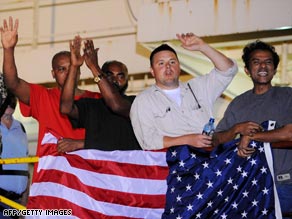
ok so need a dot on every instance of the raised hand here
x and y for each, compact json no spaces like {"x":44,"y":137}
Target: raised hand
{"x":190,"y":41}
{"x":75,"y":47}
{"x":9,"y":33}
{"x":90,"y":55}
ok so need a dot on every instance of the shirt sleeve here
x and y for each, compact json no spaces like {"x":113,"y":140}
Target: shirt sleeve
{"x":210,"y":86}
{"x":227,"y":121}
{"x":36,"y":95}
{"x":143,"y":124}
{"x":82,"y":110}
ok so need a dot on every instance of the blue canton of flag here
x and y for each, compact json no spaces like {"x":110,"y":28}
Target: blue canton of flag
{"x":219,"y":184}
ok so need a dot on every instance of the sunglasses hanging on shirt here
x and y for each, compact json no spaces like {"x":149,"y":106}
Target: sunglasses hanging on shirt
{"x":199,"y":106}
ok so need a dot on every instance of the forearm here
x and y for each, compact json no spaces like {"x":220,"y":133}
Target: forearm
{"x":113,"y":99}
{"x":16,"y":85}
{"x":67,"y":94}
{"x":9,"y":69}
{"x":224,"y":136}
{"x":173,"y":141}
{"x":277,"y":135}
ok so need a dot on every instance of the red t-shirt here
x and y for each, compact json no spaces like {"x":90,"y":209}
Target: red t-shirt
{"x":45,"y":108}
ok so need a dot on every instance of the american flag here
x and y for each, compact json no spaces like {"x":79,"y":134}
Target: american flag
{"x":101,"y":184}
{"x":220,"y":184}
{"x":132,"y":184}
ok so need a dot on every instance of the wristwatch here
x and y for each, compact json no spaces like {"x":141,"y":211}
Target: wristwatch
{"x":97,"y":78}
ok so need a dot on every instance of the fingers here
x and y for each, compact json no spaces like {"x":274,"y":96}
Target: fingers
{"x":189,"y":35}
{"x":245,"y":151}
{"x":185,"y":37}
{"x":8,"y":26}
{"x":204,"y":141}
{"x":16,"y":24}
{"x":10,"y":23}
{"x":77,"y":42}
{"x":89,"y":47}
{"x":5,"y":26}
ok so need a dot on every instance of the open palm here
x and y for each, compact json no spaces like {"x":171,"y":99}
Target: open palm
{"x":9,"y":33}
{"x":75,"y":46}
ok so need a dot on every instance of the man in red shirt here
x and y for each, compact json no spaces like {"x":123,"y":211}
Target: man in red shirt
{"x":40,"y":102}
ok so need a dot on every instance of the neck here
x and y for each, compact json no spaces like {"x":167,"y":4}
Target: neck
{"x":262,"y":88}
{"x":6,"y":120}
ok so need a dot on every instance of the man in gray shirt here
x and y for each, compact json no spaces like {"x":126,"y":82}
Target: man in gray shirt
{"x":263,"y":102}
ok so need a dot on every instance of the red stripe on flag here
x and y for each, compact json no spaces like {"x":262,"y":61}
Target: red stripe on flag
{"x":99,"y":194}
{"x":118,"y":168}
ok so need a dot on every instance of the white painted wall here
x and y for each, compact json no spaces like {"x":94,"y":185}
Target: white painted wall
{"x":161,"y":20}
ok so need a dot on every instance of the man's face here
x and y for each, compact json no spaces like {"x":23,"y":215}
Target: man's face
{"x":61,"y":69}
{"x":165,"y":69}
{"x":261,"y":67}
{"x":118,"y":76}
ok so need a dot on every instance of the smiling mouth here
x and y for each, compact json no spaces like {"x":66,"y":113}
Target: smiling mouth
{"x":263,"y":73}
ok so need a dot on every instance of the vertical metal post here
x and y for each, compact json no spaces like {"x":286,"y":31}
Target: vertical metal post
{"x":284,"y":61}
{"x":35,"y":23}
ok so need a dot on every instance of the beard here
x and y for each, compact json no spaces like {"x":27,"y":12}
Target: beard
{"x":121,"y":89}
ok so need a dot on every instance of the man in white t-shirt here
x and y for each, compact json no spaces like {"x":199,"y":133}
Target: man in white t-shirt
{"x":172,"y":113}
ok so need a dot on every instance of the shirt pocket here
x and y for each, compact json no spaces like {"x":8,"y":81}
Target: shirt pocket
{"x":164,"y":120}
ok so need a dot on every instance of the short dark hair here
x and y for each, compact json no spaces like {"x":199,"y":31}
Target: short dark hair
{"x":9,"y":101}
{"x":106,"y":65}
{"x":105,"y":69}
{"x":160,"y":48}
{"x":259,"y":45}
{"x":57,"y":55}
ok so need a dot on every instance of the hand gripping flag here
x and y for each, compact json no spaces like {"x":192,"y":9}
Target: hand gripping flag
{"x":100,"y":184}
{"x":220,"y":184}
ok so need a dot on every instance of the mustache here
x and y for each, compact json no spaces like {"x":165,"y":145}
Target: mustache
{"x":121,"y":89}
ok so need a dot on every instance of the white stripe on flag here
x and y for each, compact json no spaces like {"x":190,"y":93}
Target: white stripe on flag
{"x":100,"y":180}
{"x":85,"y":201}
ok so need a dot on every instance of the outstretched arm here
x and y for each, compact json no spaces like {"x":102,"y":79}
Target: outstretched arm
{"x":110,"y":94}
{"x":67,"y":105}
{"x":9,"y":38}
{"x":281,"y":134}
{"x":194,"y":43}
{"x":244,"y":128}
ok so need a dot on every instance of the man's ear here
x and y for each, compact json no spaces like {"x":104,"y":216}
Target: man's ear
{"x":53,"y":73}
{"x":246,"y":71}
{"x":152,"y":72}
